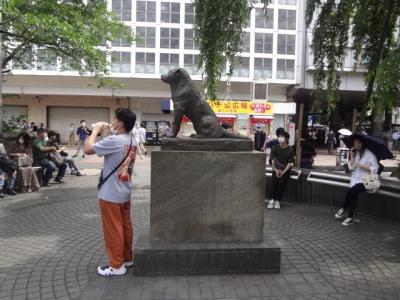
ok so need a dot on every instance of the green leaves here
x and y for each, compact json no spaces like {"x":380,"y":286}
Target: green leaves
{"x":218,"y":28}
{"x":72,"y":29}
{"x":365,"y":27}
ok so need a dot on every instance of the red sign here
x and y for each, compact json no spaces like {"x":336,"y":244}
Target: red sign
{"x":226,"y":120}
{"x":260,"y":121}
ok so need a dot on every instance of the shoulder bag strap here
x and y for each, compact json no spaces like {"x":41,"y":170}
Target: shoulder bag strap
{"x":120,"y":164}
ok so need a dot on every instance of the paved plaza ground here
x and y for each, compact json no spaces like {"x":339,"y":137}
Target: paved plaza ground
{"x":51,"y":243}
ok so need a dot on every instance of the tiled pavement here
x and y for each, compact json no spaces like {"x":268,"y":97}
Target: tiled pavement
{"x":51,"y":243}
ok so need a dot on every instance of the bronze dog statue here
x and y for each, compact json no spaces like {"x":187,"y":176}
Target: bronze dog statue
{"x":188,"y":101}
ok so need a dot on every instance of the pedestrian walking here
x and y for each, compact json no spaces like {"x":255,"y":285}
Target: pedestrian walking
{"x":135,"y":135}
{"x":282,"y":158}
{"x":142,"y":137}
{"x":115,"y":186}
{"x":259,"y":139}
{"x":71,"y":131}
{"x":331,"y":141}
{"x":362,"y":162}
{"x":396,"y":140}
{"x":83,"y":132}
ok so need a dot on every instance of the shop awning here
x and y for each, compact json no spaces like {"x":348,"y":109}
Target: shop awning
{"x":266,"y":117}
{"x":228,"y":116}
{"x":167,"y":105}
{"x":261,"y":119}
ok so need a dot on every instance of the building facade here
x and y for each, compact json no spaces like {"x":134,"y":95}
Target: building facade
{"x":266,"y":70}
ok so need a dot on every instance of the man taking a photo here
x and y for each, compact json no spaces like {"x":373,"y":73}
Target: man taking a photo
{"x":119,"y":151}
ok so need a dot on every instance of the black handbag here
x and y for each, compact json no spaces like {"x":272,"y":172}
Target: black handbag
{"x":103,"y":180}
{"x":8,"y":165}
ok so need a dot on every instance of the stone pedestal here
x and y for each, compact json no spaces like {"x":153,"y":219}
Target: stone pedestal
{"x":206,"y":215}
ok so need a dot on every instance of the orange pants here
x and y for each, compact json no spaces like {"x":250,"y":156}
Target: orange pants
{"x":118,"y":231}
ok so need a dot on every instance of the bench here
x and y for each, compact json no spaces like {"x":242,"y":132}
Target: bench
{"x":330,"y":188}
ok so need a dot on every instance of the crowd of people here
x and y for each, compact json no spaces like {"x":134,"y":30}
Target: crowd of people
{"x":33,"y":159}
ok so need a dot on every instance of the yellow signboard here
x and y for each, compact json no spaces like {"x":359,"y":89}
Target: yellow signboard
{"x":241,"y":107}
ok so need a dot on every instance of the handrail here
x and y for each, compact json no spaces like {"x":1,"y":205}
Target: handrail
{"x":323,"y":178}
{"x":294,"y":174}
{"x":329,"y":176}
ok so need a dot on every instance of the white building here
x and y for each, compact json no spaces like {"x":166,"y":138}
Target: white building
{"x":271,"y":66}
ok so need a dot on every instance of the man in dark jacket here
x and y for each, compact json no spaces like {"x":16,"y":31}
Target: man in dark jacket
{"x":259,"y":139}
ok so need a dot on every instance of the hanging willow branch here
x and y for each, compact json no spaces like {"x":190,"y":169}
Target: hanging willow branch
{"x":218,"y":28}
{"x":365,"y":27}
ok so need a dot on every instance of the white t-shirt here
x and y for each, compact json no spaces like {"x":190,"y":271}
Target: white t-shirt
{"x":368,"y":159}
{"x":142,"y":134}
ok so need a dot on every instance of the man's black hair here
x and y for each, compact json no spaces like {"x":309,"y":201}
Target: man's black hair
{"x":285,"y":135}
{"x":127,"y":117}
{"x":279,"y":131}
{"x":41,"y":130}
{"x":82,"y":121}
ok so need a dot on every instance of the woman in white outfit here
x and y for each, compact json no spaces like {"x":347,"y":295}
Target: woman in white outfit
{"x":362,"y":162}
{"x":136,"y":137}
{"x":142,"y":137}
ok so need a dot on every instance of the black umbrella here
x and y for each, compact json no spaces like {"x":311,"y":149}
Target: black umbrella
{"x":373,"y":144}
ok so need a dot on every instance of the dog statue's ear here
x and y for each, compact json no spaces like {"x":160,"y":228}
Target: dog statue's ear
{"x":177,"y":72}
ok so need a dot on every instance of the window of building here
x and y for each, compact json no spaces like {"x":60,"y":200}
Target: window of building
{"x":190,"y":64}
{"x":241,"y":67}
{"x":245,"y":42}
{"x":46,"y":60}
{"x":146,"y":37}
{"x":169,"y":38}
{"x":168,"y":61}
{"x":123,"y":9}
{"x":263,"y":42}
{"x":189,"y":13}
{"x":262,"y":68}
{"x":25,"y":61}
{"x":120,"y":62}
{"x":287,"y":19}
{"x":66,"y":63}
{"x":285,"y":69}
{"x":120,"y":43}
{"x":170,"y":12}
{"x":264,"y":20}
{"x":190,"y":42}
{"x":286,"y":44}
{"x":145,"y":63}
{"x":287,"y":2}
{"x":146,"y":11}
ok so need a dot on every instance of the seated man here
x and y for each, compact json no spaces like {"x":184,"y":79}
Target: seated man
{"x":41,"y":152}
{"x":6,"y":169}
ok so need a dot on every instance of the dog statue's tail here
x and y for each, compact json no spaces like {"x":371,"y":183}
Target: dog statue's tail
{"x":229,"y":135}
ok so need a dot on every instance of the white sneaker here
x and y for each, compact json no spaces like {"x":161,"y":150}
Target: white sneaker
{"x":128,"y":264}
{"x":277,"y":205}
{"x":348,"y":222}
{"x":340,"y":213}
{"x":271,"y":204}
{"x":108,"y":271}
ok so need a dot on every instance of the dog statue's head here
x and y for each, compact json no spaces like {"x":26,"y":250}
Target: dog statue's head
{"x":176,"y":75}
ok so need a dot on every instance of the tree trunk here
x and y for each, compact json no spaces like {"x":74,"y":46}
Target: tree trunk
{"x":367,"y":97}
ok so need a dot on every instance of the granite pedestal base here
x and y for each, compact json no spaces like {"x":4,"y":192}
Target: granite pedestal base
{"x":154,"y":258}
{"x":206,"y":215}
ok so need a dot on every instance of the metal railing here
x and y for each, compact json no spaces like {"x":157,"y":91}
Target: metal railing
{"x":344,"y":181}
{"x":294,"y":173}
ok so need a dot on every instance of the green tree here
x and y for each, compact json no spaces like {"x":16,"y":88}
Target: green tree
{"x":218,"y":29}
{"x":368,"y":29}
{"x":70,"y":29}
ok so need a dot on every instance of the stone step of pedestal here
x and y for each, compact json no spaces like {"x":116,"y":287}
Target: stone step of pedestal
{"x":158,"y":258}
